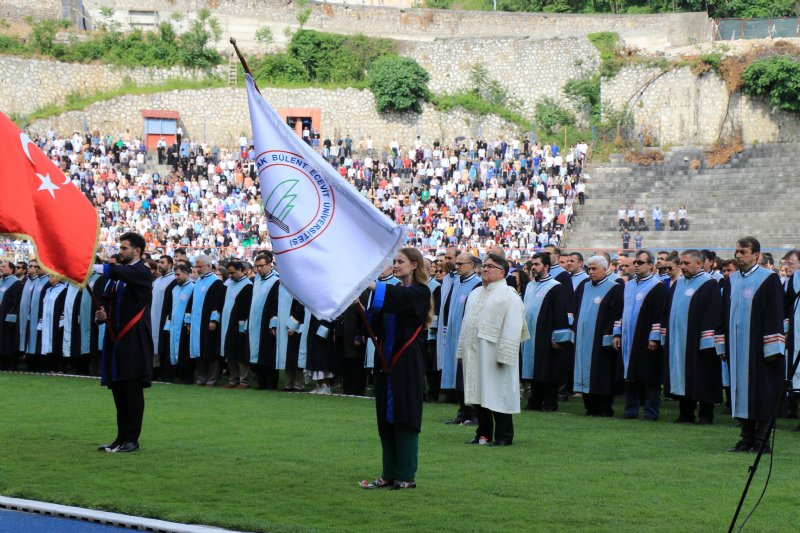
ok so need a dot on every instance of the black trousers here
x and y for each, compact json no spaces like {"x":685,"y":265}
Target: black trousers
{"x":544,"y":396}
{"x":129,"y":400}
{"x":687,"y":406}
{"x":494,"y":426}
{"x":598,"y":404}
{"x":267,"y":377}
{"x":354,"y":378}
{"x":754,"y":431}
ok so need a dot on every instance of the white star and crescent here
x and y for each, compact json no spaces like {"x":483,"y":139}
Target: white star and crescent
{"x":25,"y":140}
{"x":47,"y":184}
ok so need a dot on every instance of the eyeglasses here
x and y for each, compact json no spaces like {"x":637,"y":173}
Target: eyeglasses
{"x":489,"y":265}
{"x":639,"y":263}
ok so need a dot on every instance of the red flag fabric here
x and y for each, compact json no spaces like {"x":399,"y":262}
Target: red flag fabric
{"x":38,"y":202}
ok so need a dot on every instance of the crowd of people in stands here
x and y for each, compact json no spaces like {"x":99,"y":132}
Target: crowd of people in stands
{"x":473,"y":193}
{"x":634,"y":218}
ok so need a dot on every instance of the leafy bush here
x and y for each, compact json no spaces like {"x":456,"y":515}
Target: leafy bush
{"x":776,"y":76}
{"x":160,"y":48}
{"x":398,"y":83}
{"x":712,"y":59}
{"x":550,"y":115}
{"x":586,"y":93}
{"x":279,"y":68}
{"x":607,"y":44}
{"x":473,"y":102}
{"x":264,"y":35}
{"x":336,"y":58}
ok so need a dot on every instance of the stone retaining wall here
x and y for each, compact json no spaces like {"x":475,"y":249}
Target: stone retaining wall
{"x":679,"y":108}
{"x":219,"y":116}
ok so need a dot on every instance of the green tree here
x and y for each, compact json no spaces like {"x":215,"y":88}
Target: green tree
{"x":550,"y":115}
{"x":777,"y":77}
{"x":279,"y":68}
{"x":585,"y":92}
{"x":202,"y":32}
{"x":264,"y":35}
{"x":398,"y":83}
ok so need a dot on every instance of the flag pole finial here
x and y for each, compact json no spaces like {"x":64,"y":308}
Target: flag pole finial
{"x":243,"y":61}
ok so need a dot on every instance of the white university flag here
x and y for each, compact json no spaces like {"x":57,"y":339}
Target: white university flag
{"x":328,"y":240}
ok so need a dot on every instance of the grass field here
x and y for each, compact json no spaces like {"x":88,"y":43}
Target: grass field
{"x":271,"y":461}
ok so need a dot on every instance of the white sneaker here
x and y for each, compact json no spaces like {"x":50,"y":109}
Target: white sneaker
{"x":325,"y":390}
{"x":318,"y":390}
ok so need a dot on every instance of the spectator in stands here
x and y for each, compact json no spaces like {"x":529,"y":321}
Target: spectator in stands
{"x":683,"y":223}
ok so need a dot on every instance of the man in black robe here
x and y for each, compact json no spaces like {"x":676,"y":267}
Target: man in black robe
{"x":558,"y":273}
{"x":174,"y":340}
{"x":207,"y":301}
{"x":263,"y":308}
{"x":10,"y":295}
{"x":543,"y":355}
{"x":752,"y":324}
{"x":688,"y":324}
{"x":600,"y":302}
{"x":349,"y":342}
{"x":638,"y":338}
{"x":127,"y":360}
{"x":52,"y":325}
{"x":234,"y":346}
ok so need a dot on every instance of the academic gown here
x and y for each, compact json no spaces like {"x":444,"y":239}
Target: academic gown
{"x":441,"y":314}
{"x":71,"y":345}
{"x":233,"y":327}
{"x":369,"y":356}
{"x":207,"y":301}
{"x":129,"y":292}
{"x":161,"y":287}
{"x":451,"y":378}
{"x":24,"y":316}
{"x":792,"y":326}
{"x":558,"y":273}
{"x":10,"y":296}
{"x":34,"y":345}
{"x":690,"y":317}
{"x":640,"y":324}
{"x":86,"y":320}
{"x":176,"y":323}
{"x":296,"y":344}
{"x":262,"y":310}
{"x":51,"y":336}
{"x":546,"y":317}
{"x":98,"y":332}
{"x":161,"y":333}
{"x":396,"y":313}
{"x":577,"y":279}
{"x":753,"y":330}
{"x":600,"y":306}
{"x":320,"y":346}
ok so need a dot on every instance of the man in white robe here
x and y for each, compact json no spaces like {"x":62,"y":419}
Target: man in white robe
{"x":493,"y":328}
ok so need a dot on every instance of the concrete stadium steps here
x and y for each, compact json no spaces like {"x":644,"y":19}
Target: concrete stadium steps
{"x":755,"y":193}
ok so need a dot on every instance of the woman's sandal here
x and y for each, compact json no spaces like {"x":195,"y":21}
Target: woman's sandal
{"x":399,"y":485}
{"x":379,"y":483}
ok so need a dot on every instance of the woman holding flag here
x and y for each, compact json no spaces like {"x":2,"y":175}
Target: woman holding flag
{"x":399,"y":316}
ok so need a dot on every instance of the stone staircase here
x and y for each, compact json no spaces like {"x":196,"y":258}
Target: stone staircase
{"x":755,"y":194}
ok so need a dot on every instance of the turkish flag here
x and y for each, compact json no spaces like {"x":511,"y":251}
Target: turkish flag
{"x":38,"y":202}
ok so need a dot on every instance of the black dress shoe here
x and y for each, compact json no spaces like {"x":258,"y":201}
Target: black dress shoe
{"x":108,"y":447}
{"x":501,"y":442}
{"x":125,"y":447}
{"x":704,"y":421}
{"x":741,"y":446}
